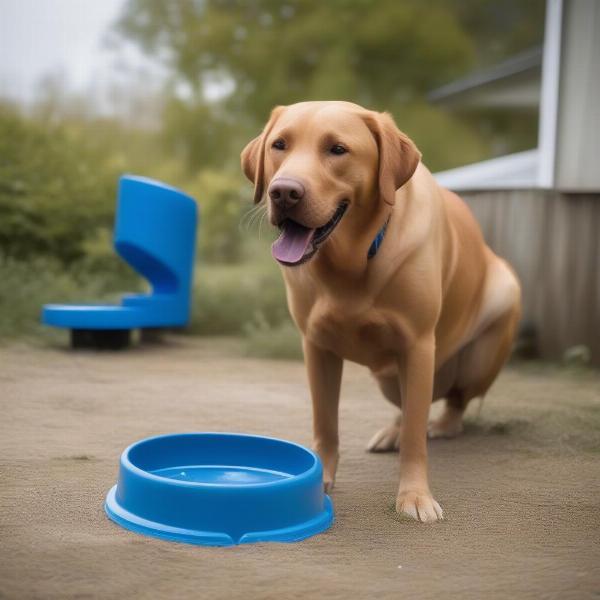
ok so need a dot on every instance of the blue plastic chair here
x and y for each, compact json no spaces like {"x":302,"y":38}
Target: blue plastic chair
{"x":155,"y":232}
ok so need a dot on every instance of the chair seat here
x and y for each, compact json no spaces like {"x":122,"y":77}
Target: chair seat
{"x":110,"y":316}
{"x":155,"y":233}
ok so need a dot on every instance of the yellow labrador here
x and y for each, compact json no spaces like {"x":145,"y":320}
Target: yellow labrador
{"x":385,"y":268}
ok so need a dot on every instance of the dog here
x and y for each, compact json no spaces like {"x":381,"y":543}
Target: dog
{"x":385,"y":268}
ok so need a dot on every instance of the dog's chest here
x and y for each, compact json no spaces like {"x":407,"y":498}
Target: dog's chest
{"x":372,"y":337}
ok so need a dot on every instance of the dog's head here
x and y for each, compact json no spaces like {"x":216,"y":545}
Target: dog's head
{"x":321,"y":161}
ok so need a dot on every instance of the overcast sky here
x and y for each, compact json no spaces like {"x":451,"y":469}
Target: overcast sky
{"x":40,"y":37}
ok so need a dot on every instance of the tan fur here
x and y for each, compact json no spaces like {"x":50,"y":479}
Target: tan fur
{"x":432,"y":315}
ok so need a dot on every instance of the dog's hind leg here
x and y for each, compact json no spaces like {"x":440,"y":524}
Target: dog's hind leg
{"x":449,"y":423}
{"x":387,"y":439}
{"x":479,"y":362}
{"x":478,"y":366}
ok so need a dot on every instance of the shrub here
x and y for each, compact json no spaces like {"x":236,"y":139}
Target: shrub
{"x":55,"y":189}
{"x":223,"y":198}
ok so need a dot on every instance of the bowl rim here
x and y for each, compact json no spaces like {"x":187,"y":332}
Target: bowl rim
{"x":314,"y":469}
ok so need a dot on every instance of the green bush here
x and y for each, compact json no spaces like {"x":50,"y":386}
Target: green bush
{"x":223,"y":198}
{"x":55,"y":189}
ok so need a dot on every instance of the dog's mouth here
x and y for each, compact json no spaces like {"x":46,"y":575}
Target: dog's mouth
{"x":296,"y":244}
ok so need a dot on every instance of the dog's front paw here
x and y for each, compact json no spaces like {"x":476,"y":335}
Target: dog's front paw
{"x":419,"y":505}
{"x":329,"y":459}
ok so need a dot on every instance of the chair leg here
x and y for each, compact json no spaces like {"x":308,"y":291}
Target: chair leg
{"x":101,"y":339}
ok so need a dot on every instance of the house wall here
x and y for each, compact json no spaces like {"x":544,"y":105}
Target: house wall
{"x":578,"y":115}
{"x":553,"y":242}
{"x":578,"y":119}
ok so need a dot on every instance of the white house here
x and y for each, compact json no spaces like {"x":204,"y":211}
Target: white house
{"x":541,"y":208}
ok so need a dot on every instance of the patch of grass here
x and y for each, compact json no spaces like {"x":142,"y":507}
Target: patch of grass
{"x":229,"y":297}
{"x":247,"y":300}
{"x":265,"y":341}
{"x":27,"y":286}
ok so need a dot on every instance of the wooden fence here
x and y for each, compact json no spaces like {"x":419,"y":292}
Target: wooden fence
{"x":553,"y":242}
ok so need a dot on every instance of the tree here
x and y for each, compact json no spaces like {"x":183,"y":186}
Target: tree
{"x":385,"y":54}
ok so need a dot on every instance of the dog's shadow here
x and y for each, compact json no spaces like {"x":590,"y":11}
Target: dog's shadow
{"x":478,"y":427}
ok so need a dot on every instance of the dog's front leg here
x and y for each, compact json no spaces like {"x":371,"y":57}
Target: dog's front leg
{"x":324,"y":377}
{"x":416,"y":384}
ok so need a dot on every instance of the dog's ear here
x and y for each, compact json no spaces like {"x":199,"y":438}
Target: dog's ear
{"x":398,"y":155}
{"x":253,"y":156}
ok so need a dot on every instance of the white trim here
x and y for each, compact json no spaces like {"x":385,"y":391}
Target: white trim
{"x":548,"y":121}
{"x":514,"y":171}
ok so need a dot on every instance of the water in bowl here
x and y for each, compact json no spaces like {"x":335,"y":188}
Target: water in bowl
{"x":221,"y":474}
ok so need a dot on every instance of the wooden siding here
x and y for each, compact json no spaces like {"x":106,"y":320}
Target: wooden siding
{"x":552,"y":241}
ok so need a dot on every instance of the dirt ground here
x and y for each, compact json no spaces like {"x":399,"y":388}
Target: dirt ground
{"x":521,"y":488}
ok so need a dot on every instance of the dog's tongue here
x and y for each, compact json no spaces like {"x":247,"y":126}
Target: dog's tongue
{"x":291,"y":245}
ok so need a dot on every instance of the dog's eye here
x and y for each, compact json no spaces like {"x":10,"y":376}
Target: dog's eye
{"x":338,"y":149}
{"x":278,"y":144}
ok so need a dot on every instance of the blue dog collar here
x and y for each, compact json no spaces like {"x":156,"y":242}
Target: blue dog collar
{"x":378,"y":240}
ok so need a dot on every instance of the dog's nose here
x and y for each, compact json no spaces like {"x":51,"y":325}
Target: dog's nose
{"x":285,"y":192}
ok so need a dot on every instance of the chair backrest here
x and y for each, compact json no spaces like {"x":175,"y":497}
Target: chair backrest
{"x":155,"y":232}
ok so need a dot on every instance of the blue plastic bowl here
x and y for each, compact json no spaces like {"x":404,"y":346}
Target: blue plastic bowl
{"x":220,"y":489}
